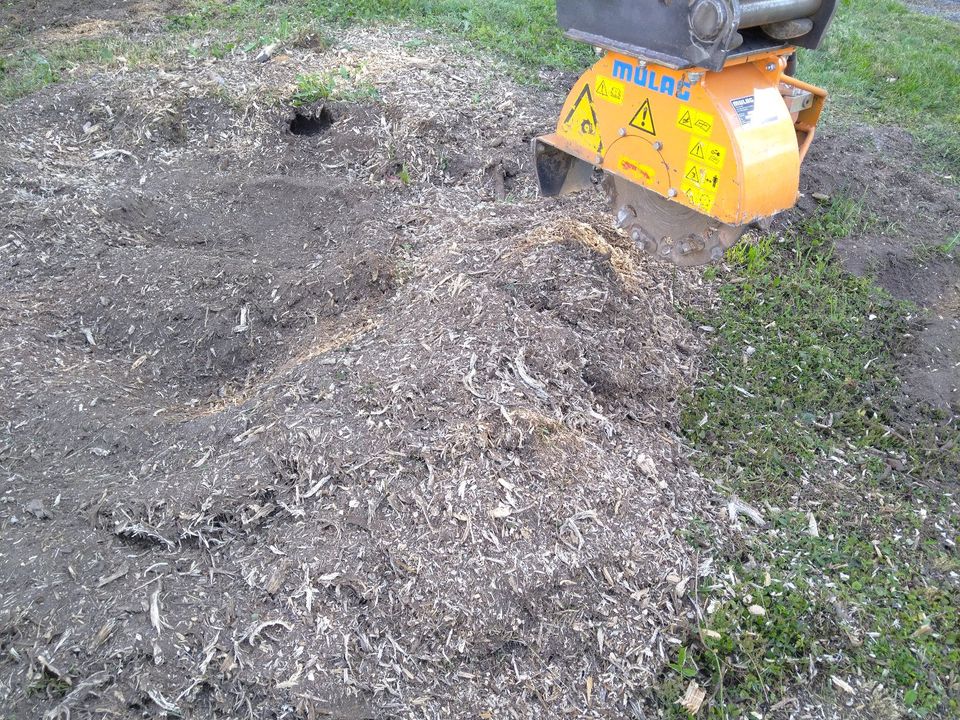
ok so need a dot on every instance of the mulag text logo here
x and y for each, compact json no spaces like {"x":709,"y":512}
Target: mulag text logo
{"x":656,"y":80}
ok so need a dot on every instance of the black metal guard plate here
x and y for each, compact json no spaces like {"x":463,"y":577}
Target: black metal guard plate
{"x":659,"y":31}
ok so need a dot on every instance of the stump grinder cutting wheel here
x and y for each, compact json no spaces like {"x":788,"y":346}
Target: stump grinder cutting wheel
{"x":689,"y":114}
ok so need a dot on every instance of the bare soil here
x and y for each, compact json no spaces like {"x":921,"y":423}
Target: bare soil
{"x":30,"y":15}
{"x":348,"y":424}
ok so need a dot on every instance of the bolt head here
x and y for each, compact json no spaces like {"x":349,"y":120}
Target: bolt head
{"x":625,"y":215}
{"x":707,"y":19}
{"x":658,"y":145}
{"x":672,"y":192}
{"x":771,"y":67}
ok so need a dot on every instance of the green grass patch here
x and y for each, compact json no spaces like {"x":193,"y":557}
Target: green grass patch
{"x":887,"y":65}
{"x":338,"y":85}
{"x":206,"y":28}
{"x":524,"y":31}
{"x":845,"y":606}
{"x":802,"y":363}
{"x":247,"y":25}
{"x":950,"y":246}
{"x":795,"y":368}
{"x":31,"y":67}
{"x":798,"y":400}
{"x":311,"y":88}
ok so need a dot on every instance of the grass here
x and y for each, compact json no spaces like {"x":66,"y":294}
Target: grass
{"x":795,"y":414}
{"x":210,"y":29}
{"x":29,"y":69}
{"x":831,"y":608}
{"x":792,"y":302}
{"x":525,"y":32}
{"x":951,"y":245}
{"x":338,"y":85}
{"x":887,"y":65}
{"x":311,"y":88}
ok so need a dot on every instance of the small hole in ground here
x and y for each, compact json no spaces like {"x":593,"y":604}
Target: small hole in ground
{"x":312,"y":124}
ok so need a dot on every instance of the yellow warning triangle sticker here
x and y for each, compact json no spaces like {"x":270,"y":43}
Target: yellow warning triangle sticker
{"x":693,"y":175}
{"x":686,"y":120}
{"x":697,"y":151}
{"x":643,"y":120}
{"x":581,"y":121}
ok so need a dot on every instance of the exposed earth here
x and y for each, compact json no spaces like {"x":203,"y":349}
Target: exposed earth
{"x":349,"y":423}
{"x":27,"y":15}
{"x":386,"y":420}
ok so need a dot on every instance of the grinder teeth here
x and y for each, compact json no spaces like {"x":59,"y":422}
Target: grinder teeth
{"x":666,"y":229}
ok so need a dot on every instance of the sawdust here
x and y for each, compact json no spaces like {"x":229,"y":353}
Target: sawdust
{"x":86,"y":30}
{"x":616,"y":249}
{"x":312,"y":440}
{"x":341,"y":340}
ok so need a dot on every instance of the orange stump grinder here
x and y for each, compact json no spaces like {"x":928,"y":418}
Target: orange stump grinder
{"x":691,"y":115}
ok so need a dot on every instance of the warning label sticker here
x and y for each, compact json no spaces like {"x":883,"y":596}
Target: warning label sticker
{"x":698,"y":197}
{"x":700,"y":184}
{"x":609,"y":89}
{"x":640,"y":173}
{"x":704,"y":178}
{"x":694,"y":121}
{"x":709,"y":153}
{"x":643,"y":120}
{"x":581,"y":122}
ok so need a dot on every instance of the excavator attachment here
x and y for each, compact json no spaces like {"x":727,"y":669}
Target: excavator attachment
{"x":695,"y":146}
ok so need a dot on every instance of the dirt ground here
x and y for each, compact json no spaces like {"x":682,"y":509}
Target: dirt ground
{"x":351,"y":424}
{"x":31,"y":15}
{"x":347,"y":424}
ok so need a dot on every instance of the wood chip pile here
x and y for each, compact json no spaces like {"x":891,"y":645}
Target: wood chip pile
{"x":350,"y":424}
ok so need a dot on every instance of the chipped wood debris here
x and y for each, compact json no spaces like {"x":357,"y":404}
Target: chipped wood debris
{"x":737,"y":507}
{"x":693,"y":698}
{"x":257,"y":629}
{"x":843,"y":685}
{"x":328,"y":440}
{"x":120,"y":572}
